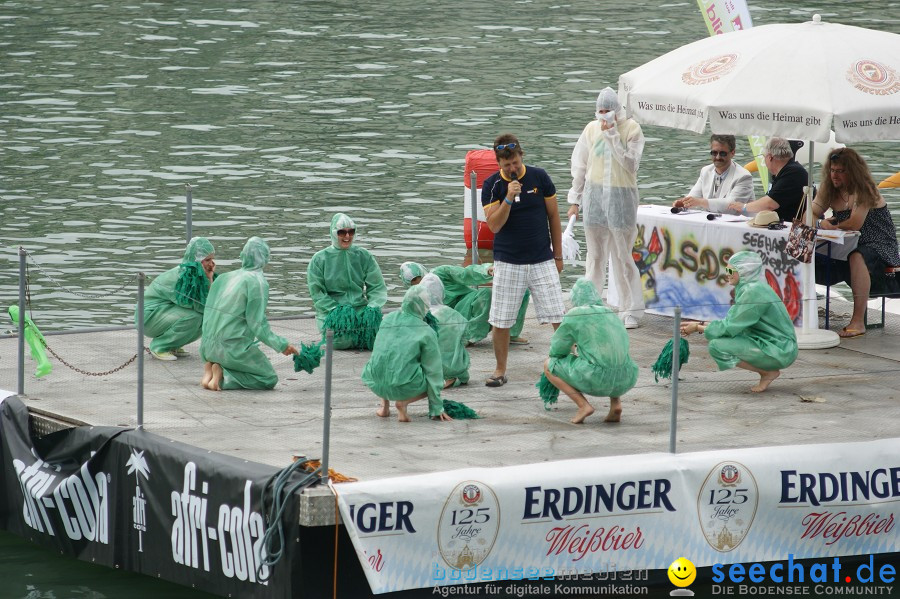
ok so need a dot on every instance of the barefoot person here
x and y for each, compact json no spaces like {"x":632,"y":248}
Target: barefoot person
{"x":234,"y":323}
{"x":406,"y":360}
{"x":602,"y":366}
{"x":757,"y":334}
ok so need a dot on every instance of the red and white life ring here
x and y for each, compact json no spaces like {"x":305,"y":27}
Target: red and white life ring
{"x":484,"y":163}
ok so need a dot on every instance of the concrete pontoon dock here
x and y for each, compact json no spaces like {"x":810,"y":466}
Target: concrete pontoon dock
{"x":847,"y":393}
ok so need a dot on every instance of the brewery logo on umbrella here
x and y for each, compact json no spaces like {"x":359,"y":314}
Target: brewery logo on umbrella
{"x":874,"y":78}
{"x":709,"y":70}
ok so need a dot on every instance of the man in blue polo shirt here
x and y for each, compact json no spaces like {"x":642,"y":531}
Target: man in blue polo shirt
{"x":520,"y":205}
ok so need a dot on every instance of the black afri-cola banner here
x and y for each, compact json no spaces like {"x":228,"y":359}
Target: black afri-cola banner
{"x":130,"y":499}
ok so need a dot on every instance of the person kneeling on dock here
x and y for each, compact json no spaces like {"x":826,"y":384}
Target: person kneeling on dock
{"x":346,"y":288}
{"x":174,"y":302}
{"x":451,"y":328}
{"x":235,"y":322}
{"x":757,"y":333}
{"x":602,"y":367}
{"x":406,"y":361}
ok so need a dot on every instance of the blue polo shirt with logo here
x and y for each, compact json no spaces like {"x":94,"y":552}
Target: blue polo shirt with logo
{"x":525,"y":238}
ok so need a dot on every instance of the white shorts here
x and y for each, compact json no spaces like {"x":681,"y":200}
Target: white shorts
{"x":510,"y":283}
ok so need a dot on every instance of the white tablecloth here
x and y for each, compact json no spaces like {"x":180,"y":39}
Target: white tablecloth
{"x":682,"y":258}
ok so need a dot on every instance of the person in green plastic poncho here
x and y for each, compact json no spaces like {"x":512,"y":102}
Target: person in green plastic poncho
{"x":235,"y":322}
{"x":174,"y":301}
{"x":757,"y":333}
{"x":346,"y":275}
{"x":473,"y":304}
{"x":602,"y":367}
{"x":406,"y":361}
{"x":451,"y":329}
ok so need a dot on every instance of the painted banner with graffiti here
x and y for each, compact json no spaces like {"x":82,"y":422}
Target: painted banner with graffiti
{"x":681,"y":258}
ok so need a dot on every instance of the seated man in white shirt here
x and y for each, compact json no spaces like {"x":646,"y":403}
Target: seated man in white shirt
{"x":720,"y":183}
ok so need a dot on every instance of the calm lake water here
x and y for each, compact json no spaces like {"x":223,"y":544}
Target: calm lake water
{"x":279,"y":114}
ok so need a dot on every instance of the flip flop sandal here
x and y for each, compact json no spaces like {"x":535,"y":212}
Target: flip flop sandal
{"x":851,"y":333}
{"x":496,"y":381}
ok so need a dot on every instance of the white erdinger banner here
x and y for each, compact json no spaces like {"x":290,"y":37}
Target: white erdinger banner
{"x":625,"y":513}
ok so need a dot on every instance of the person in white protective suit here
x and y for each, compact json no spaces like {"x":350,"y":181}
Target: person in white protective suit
{"x":604,"y":189}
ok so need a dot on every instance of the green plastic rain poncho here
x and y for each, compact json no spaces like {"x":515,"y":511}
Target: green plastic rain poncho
{"x":451,"y":332}
{"x":349,"y":277}
{"x":473,"y":304}
{"x":173,"y":303}
{"x":235,"y":322}
{"x":602,"y":367}
{"x":757,"y":328}
{"x":406,"y":359}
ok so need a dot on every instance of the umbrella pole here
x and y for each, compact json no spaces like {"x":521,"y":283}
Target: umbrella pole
{"x":810,"y":336}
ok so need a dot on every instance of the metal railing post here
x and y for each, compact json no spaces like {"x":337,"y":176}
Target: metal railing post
{"x":676,"y":367}
{"x":20,"y":388}
{"x":140,"y":351}
{"x":472,"y":184}
{"x":189,"y":212}
{"x":326,"y":434}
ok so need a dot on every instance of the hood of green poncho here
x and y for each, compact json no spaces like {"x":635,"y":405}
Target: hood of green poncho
{"x":340,"y":221}
{"x":411,"y":270}
{"x":197,"y":250}
{"x":415,"y":302}
{"x":435,"y":290}
{"x":749,"y":266}
{"x":584,"y":293}
{"x":255,"y":254}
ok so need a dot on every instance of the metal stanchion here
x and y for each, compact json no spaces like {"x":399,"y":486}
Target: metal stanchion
{"x":326,"y":434}
{"x":676,"y":366}
{"x":189,"y":212}
{"x":20,"y":388}
{"x":140,"y":350}
{"x":472,"y":184}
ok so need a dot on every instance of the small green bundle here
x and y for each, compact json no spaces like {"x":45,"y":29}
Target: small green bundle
{"x":343,"y":321}
{"x":431,"y":321}
{"x":459,"y":411}
{"x":663,"y":365}
{"x":548,"y":391}
{"x":369,"y":323}
{"x":309,"y":358}
{"x":192,"y":286}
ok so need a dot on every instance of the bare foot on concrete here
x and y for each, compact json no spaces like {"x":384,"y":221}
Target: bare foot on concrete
{"x":615,"y":410}
{"x":449,"y":383}
{"x":215,"y":383}
{"x":765,"y":379}
{"x":582,"y":413}
{"x":385,"y":410}
{"x":207,"y":375}
{"x":402,"y":416}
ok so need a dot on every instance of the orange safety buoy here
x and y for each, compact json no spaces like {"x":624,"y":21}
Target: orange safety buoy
{"x":484,"y":163}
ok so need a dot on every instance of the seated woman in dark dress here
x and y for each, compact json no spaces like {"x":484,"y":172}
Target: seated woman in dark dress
{"x":848,"y":189}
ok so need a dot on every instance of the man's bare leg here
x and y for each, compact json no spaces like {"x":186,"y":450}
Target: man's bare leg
{"x":385,"y":410}
{"x":585,"y":408}
{"x":615,"y":410}
{"x":500,"y":339}
{"x":765,"y":376}
{"x":449,"y":383}
{"x":402,"y":416}
{"x":207,"y":375}
{"x":215,"y":383}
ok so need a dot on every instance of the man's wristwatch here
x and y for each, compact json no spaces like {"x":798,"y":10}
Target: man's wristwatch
{"x":557,"y":257}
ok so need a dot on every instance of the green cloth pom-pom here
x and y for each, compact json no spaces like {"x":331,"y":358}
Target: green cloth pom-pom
{"x":368,"y":328}
{"x":662,"y":368}
{"x":548,"y":392}
{"x":343,"y":321}
{"x":459,"y":411}
{"x":309,"y":358}
{"x":192,"y":286}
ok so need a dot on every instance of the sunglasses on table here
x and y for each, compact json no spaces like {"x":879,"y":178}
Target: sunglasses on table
{"x":345,"y":232}
{"x":719,"y":154}
{"x":776,"y":226}
{"x":509,"y":146}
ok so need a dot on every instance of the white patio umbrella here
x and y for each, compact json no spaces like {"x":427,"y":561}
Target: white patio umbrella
{"x":788,"y":80}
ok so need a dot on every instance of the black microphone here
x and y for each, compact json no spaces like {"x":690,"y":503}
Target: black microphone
{"x":712,"y":216}
{"x":677,"y":209}
{"x":511,"y":179}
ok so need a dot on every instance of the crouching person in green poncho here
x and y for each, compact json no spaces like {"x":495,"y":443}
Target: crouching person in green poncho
{"x":602,"y":367}
{"x":473,"y":304}
{"x":234,"y":323}
{"x":451,"y":329}
{"x":406,"y":361}
{"x":346,"y":288}
{"x":174,"y":301}
{"x":757,"y":333}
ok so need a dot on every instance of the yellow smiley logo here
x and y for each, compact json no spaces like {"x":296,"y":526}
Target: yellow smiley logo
{"x":682,"y":572}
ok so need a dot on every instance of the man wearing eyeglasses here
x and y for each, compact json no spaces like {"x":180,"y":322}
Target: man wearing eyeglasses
{"x":520,"y":205}
{"x":720,"y":183}
{"x":786,"y":185}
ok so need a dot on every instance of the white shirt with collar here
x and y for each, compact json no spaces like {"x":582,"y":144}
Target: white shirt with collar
{"x":736,"y":186}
